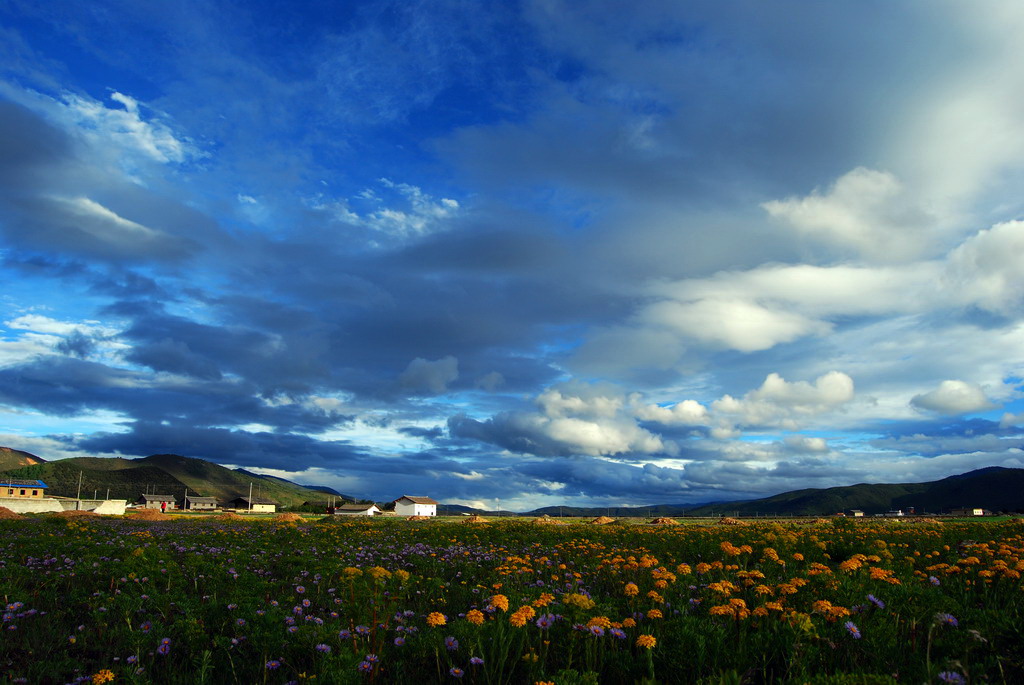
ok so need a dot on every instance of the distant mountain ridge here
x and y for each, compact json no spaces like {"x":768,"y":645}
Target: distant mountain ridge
{"x":164,"y":474}
{"x":994,"y":488}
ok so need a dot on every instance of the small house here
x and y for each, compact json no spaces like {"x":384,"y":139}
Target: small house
{"x":357,"y":510}
{"x":968,"y":511}
{"x":197,"y":503}
{"x":895,"y":513}
{"x":257,"y":505}
{"x":156,"y":501}
{"x":408,"y":505}
{"x":857,"y":513}
{"x":19,"y":487}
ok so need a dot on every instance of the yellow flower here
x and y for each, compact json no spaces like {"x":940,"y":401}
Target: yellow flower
{"x":517,"y":619}
{"x":436,"y":618}
{"x":475,"y":617}
{"x":402,"y":575}
{"x":631,"y":590}
{"x":646,"y":641}
{"x":500,"y":602}
{"x":654,"y":613}
{"x":798,"y":557}
{"x":628,"y":623}
{"x":379,"y":573}
{"x":104,"y":676}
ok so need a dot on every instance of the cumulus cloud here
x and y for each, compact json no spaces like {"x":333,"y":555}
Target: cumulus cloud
{"x":733,"y":323}
{"x":685,"y":413}
{"x":779,"y":403}
{"x":433,"y":377}
{"x":953,"y":397}
{"x":985,"y":270}
{"x":865,"y":210}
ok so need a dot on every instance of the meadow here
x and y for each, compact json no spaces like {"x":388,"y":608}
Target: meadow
{"x":203,"y":600}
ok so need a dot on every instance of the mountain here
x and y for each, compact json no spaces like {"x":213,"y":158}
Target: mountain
{"x":159,"y":473}
{"x":994,"y":488}
{"x":14,"y":459}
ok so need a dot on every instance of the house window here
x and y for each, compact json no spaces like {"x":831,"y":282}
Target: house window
{"x":35,"y":492}
{"x":10,"y":492}
{"x":23,"y":492}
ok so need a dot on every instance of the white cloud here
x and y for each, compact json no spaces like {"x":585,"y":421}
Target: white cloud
{"x":779,"y":403}
{"x":127,"y":128}
{"x":804,"y":444}
{"x":430,"y":376}
{"x":1009,"y":420}
{"x":866,"y":210}
{"x":953,"y":397}
{"x":685,"y":413}
{"x":732,"y":323}
{"x":986,"y":269}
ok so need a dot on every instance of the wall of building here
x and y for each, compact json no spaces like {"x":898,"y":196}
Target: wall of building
{"x":27,"y":505}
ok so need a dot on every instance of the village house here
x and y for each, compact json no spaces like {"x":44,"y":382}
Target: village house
{"x":197,"y":503}
{"x":257,"y":505}
{"x":357,"y":510}
{"x":17,"y":487}
{"x":969,"y":511}
{"x":856,"y":513}
{"x":408,"y":505}
{"x":156,"y":501}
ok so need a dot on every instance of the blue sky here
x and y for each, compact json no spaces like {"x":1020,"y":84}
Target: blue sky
{"x":518,"y":253}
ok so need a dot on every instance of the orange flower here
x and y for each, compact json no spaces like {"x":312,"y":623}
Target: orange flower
{"x":500,"y":602}
{"x":654,"y":613}
{"x":646,"y":641}
{"x":475,"y":617}
{"x":436,"y":618}
{"x":631,"y":590}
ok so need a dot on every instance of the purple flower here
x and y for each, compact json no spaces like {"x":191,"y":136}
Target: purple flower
{"x":545,"y":621}
{"x":362,"y":630}
{"x":597,"y":631}
{"x":476,"y":661}
{"x":372,"y":658}
{"x":323,"y":648}
{"x":345,"y":635}
{"x":934,"y":581}
{"x":852,"y":629}
{"x":947,"y":620}
{"x":451,"y":644}
{"x":456,"y":672}
{"x":145,"y":627}
{"x":273,"y":664}
{"x":300,"y":589}
{"x":952,"y":677}
{"x":365,"y":667}
{"x":618,"y":632}
{"x":877,"y":602}
{"x":239,"y":621}
{"x":399,"y":641}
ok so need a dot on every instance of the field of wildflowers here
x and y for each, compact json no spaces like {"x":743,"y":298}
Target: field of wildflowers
{"x":92,"y":600}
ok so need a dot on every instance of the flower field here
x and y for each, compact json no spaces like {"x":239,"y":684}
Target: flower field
{"x":92,"y":600}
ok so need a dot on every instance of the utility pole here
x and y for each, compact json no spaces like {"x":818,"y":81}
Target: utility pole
{"x":250,"y":497}
{"x":79,"y":495}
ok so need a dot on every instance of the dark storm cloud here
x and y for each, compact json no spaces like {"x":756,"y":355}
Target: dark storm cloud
{"x":76,"y":344}
{"x":46,"y":203}
{"x":65,"y":386}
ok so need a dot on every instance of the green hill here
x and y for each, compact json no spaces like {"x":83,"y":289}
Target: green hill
{"x":160,"y":473}
{"x":14,"y":459}
{"x":994,"y":488}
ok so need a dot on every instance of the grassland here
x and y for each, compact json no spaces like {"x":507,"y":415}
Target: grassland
{"x":198,"y":599}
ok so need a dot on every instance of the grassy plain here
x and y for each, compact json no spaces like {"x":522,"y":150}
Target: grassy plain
{"x":202,"y":600}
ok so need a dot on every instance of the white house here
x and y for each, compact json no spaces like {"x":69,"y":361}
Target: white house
{"x":968,"y":511}
{"x":407,"y":505}
{"x":357,"y":510}
{"x":256,"y":505}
